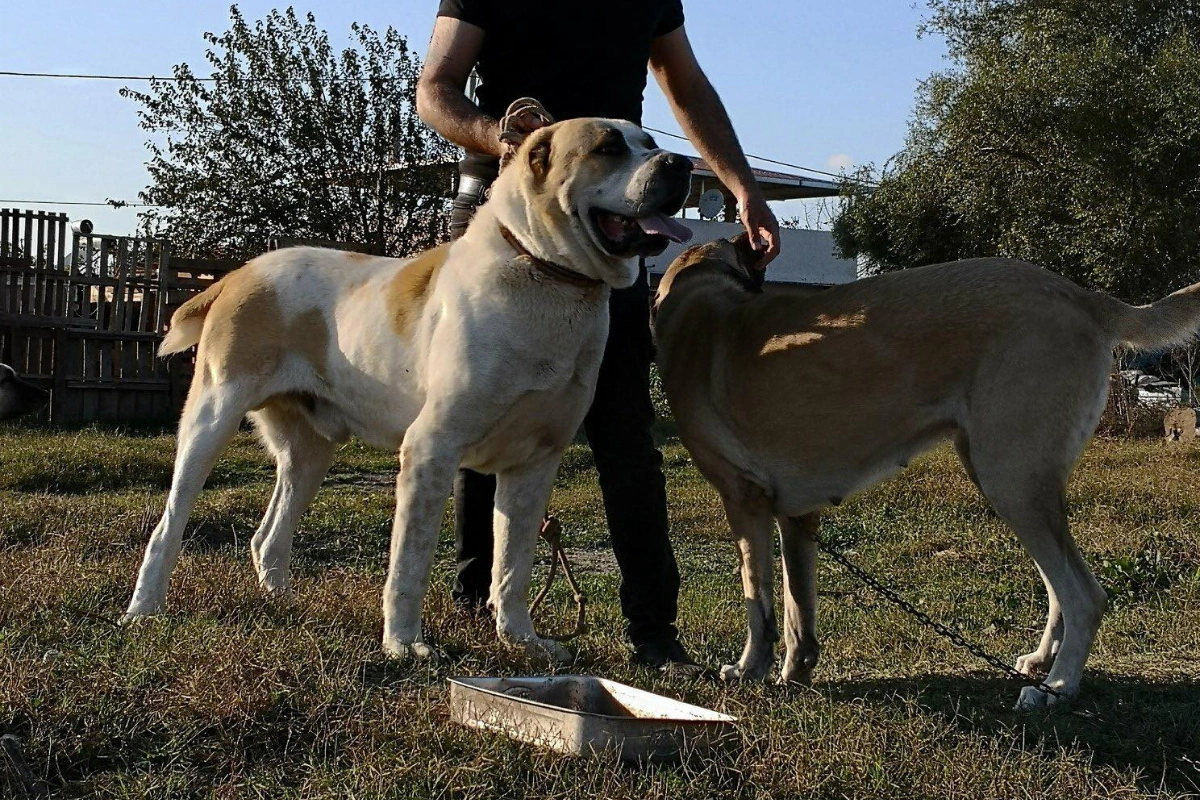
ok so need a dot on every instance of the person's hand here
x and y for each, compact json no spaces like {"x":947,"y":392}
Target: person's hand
{"x":522,"y":118}
{"x":762,"y":226}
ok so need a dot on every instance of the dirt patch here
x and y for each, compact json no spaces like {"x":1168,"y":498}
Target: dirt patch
{"x":583,"y":560}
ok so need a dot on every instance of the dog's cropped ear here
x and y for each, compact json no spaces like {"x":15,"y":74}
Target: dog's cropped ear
{"x":539,"y":157}
{"x":747,"y":257}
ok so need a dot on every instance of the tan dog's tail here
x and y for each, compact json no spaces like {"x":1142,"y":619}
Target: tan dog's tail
{"x":1174,"y":320}
{"x":188,"y":321}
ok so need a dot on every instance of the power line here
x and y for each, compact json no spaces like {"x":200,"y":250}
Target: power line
{"x":114,"y":206}
{"x":89,"y":77}
{"x":11,"y":74}
{"x":81,"y":76}
{"x":751,"y":155}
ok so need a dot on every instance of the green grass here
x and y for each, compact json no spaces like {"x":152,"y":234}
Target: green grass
{"x":231,"y":696}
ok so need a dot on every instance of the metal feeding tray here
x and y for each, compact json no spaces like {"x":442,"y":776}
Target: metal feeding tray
{"x":578,"y":714}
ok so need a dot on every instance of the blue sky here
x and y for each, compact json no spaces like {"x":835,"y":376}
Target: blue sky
{"x":820,"y":83}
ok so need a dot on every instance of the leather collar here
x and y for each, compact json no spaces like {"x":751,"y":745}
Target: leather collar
{"x":556,"y":271}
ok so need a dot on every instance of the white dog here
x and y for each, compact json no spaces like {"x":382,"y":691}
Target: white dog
{"x":482,"y":353}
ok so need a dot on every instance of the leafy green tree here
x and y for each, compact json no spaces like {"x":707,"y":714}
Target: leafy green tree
{"x":1066,"y":132}
{"x":291,"y":138}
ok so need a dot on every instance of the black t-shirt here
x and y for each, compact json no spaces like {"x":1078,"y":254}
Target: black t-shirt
{"x":579,"y":58}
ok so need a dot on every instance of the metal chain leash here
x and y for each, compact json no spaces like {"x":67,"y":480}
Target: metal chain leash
{"x":944,"y":631}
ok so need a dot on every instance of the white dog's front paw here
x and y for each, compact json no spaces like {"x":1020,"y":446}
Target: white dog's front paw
{"x":548,"y":651}
{"x":279,"y":595}
{"x":747,"y":673}
{"x":403,"y":651}
{"x":734,"y":673}
{"x":139,"y":611}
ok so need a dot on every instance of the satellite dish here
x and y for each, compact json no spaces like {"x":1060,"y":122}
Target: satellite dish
{"x":711,"y":203}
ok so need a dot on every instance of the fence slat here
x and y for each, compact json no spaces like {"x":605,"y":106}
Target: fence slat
{"x":83,"y":316}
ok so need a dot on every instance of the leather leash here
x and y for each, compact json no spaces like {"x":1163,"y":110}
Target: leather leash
{"x":552,"y":532}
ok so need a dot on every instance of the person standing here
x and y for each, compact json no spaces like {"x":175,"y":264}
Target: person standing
{"x":587,"y":59}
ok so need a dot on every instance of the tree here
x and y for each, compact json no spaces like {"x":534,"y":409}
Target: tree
{"x":290,"y":138}
{"x":1066,"y":133}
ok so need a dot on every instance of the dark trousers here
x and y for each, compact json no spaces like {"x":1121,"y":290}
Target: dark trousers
{"x":618,"y":427}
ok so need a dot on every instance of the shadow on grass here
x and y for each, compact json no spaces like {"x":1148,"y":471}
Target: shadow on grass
{"x":1124,"y":722}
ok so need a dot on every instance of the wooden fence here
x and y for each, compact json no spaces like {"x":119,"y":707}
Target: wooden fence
{"x":82,"y":315}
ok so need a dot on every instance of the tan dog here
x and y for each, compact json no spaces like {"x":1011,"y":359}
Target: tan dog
{"x":482,"y":353}
{"x":791,"y":399}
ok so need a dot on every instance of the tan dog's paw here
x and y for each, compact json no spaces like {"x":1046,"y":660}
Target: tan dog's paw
{"x":1035,"y":663}
{"x":795,"y":676}
{"x":403,"y":651}
{"x":798,"y":665}
{"x":1032,"y":697}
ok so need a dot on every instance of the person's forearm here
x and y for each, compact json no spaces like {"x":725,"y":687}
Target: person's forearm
{"x":700,"y":113}
{"x":448,"y":111}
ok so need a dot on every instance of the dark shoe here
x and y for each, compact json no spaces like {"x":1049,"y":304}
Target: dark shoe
{"x":668,"y":657}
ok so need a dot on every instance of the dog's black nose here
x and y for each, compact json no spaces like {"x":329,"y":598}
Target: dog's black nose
{"x":678,"y":162}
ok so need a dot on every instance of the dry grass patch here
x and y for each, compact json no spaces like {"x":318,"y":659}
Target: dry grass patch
{"x":229,"y":695}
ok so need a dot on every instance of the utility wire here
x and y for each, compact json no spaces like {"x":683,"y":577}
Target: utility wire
{"x":751,"y":155}
{"x":80,"y":76}
{"x":11,"y":74}
{"x":114,"y":206}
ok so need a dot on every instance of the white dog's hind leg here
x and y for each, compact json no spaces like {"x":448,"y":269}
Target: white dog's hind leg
{"x":210,"y":419}
{"x":302,"y":458}
{"x":753,"y":529}
{"x":521,"y":498}
{"x":422,"y":487}
{"x":798,"y":543}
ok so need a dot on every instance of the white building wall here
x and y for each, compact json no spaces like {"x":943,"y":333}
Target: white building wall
{"x":804,"y":257}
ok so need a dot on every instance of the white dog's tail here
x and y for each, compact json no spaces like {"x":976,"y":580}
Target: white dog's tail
{"x":188,"y":321}
{"x":1174,"y":320}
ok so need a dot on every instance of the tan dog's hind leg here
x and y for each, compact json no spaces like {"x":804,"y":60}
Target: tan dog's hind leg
{"x":752,"y":529}
{"x":302,"y":458}
{"x":1034,"y":506}
{"x":1041,"y":660}
{"x":210,"y":419}
{"x":798,"y":542}
{"x":521,"y":498}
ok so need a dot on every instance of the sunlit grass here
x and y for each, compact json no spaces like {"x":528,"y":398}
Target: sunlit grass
{"x":231,"y":696}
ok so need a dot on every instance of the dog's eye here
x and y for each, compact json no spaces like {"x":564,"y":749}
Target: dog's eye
{"x":616,"y":147}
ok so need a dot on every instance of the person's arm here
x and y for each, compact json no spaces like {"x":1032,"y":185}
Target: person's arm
{"x":441,"y":102}
{"x":700,"y":113}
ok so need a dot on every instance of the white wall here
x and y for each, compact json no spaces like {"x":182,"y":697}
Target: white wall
{"x":804,"y":256}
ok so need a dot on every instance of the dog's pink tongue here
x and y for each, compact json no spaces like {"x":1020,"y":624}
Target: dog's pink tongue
{"x":663,"y":225}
